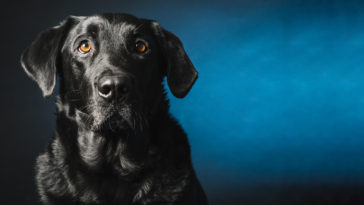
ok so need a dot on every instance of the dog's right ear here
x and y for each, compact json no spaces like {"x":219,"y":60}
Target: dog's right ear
{"x":39,"y":60}
{"x":180,"y":72}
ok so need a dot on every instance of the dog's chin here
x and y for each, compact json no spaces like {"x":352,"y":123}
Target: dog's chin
{"x":111,"y":124}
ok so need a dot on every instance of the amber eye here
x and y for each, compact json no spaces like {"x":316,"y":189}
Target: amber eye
{"x":141,"y":47}
{"x":84,"y":47}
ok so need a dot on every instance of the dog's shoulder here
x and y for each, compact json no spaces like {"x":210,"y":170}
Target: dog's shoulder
{"x":50,"y":174}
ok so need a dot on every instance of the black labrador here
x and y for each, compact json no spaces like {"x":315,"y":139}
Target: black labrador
{"x":115,"y":141}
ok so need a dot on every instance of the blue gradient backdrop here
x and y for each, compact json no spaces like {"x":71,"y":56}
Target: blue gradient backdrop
{"x":280,"y":95}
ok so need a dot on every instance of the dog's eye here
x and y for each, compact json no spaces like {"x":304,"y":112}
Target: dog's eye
{"x":84,"y":47}
{"x":141,"y":47}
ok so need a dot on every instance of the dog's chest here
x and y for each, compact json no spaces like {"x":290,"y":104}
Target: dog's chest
{"x":100,"y":153}
{"x":91,"y":148}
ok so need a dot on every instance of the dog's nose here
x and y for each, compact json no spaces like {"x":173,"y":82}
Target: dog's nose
{"x":112,"y":86}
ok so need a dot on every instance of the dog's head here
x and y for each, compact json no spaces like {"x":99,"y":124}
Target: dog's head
{"x":111,"y":66}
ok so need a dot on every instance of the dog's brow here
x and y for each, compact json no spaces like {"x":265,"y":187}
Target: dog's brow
{"x":138,"y":27}
{"x":125,"y":27}
{"x":93,"y":28}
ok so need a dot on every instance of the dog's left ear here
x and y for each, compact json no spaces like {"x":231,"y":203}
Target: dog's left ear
{"x":180,"y":72}
{"x":39,"y":60}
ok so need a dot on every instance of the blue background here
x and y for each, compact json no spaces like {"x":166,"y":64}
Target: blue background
{"x":276,"y":116}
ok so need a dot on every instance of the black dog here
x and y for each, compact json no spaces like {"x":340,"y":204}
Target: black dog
{"x":115,"y":142}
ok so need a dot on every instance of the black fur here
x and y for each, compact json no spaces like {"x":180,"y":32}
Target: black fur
{"x":126,"y":151}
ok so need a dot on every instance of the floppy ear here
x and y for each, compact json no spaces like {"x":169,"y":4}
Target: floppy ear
{"x":39,"y":60}
{"x":181,"y":74}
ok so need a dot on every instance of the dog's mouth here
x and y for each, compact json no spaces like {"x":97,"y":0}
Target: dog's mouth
{"x":113,"y":118}
{"x":107,"y":119}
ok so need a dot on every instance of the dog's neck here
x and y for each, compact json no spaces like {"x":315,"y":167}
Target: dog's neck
{"x":125,"y":152}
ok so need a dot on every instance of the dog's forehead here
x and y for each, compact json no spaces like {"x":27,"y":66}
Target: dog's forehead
{"x":111,"y":25}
